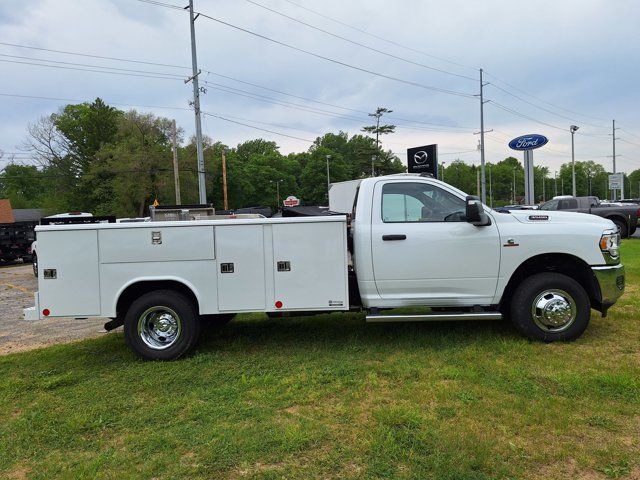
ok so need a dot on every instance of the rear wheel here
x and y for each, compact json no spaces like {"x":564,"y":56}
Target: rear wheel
{"x":550,"y":307}
{"x":35,"y":264}
{"x":162,"y":325}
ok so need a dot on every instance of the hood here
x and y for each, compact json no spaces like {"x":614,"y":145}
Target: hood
{"x":556,"y":217}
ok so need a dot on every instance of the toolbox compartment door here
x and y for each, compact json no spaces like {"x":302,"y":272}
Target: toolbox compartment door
{"x":310,"y":266}
{"x":241,"y":277}
{"x":71,"y":257}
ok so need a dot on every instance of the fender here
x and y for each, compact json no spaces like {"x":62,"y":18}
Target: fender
{"x":164,"y":278}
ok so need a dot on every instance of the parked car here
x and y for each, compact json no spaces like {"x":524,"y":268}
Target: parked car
{"x":624,"y":216}
{"x":412,"y":241}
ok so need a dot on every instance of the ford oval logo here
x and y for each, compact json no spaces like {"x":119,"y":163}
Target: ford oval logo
{"x":528,"y":142}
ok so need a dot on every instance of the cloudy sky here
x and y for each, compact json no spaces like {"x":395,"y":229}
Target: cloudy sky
{"x":549,"y":64}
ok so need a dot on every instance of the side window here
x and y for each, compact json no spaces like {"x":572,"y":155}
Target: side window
{"x":568,"y":203}
{"x":420,"y":202}
{"x":550,"y":205}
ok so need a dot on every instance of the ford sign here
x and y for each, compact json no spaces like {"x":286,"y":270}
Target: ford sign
{"x":528,"y":142}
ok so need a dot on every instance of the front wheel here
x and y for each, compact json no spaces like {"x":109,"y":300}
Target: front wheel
{"x":162,"y":325}
{"x":550,"y":307}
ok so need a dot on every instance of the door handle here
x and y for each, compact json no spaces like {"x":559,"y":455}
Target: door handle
{"x":388,"y":238}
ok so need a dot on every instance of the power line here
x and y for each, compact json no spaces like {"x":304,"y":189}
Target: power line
{"x":204,"y":70}
{"x":322,"y":57}
{"x":296,"y":106}
{"x":338,"y":62}
{"x":60,"y":62}
{"x":90,"y":70}
{"x":541,"y":108}
{"x":257,"y":128}
{"x":102,"y":57}
{"x":391,"y":42}
{"x":541,"y":100}
{"x":513,"y":112}
{"x":353,"y":42}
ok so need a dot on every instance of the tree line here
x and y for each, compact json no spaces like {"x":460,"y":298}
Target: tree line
{"x":96,"y":158}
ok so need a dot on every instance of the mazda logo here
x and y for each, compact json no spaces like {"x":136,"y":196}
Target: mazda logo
{"x":421,"y":157}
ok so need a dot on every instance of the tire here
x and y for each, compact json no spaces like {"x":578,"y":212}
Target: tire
{"x":622,"y":227}
{"x":632,"y":231}
{"x":550,"y":307}
{"x":174,"y":337}
{"x":35,"y":264}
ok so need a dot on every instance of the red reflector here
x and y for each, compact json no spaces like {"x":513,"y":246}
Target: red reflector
{"x":46,"y":312}
{"x":278,"y":304}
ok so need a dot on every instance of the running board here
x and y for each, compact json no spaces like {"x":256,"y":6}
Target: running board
{"x":435,"y":317}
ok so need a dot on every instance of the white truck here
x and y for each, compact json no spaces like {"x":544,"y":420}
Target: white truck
{"x":411,"y":241}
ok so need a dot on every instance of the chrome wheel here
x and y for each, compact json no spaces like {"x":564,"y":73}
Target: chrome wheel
{"x":554,"y":310}
{"x":159,"y":327}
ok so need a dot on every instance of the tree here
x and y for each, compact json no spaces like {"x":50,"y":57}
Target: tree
{"x":23,"y":185}
{"x":377,"y":128}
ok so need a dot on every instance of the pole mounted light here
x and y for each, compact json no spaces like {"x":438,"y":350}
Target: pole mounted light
{"x":573,"y":129}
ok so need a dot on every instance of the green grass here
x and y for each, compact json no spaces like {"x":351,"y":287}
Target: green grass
{"x":332,"y":397}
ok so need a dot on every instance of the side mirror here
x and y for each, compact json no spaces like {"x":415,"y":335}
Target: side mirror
{"x":474,"y":212}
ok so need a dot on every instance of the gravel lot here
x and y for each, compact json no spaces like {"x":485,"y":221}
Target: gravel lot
{"x":17,"y":285}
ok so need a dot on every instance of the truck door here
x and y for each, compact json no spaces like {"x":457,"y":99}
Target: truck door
{"x":423,"y":250}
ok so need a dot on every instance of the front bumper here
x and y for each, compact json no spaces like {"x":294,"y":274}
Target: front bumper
{"x":611,"y":281}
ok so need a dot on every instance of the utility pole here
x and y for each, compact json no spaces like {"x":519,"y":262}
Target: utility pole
{"x":328,"y":181}
{"x":442,"y":170}
{"x":373,"y":171}
{"x":224,"y":179}
{"x":544,"y":181}
{"x":202,"y":189}
{"x":482,"y":173}
{"x":490,"y":188}
{"x":176,"y":172}
{"x":514,"y":186}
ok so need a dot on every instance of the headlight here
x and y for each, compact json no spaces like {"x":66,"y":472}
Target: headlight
{"x":610,"y":243}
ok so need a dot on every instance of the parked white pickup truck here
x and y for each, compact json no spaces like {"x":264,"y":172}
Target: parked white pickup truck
{"x":411,"y":241}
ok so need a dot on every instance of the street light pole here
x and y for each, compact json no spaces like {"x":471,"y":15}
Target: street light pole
{"x":514,"y":186}
{"x":442,"y":169}
{"x":573,"y":129}
{"x":555,"y":176}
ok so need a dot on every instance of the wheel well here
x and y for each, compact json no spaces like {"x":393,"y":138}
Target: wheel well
{"x":566,"y":264}
{"x":136,"y":290}
{"x":615,"y":217}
